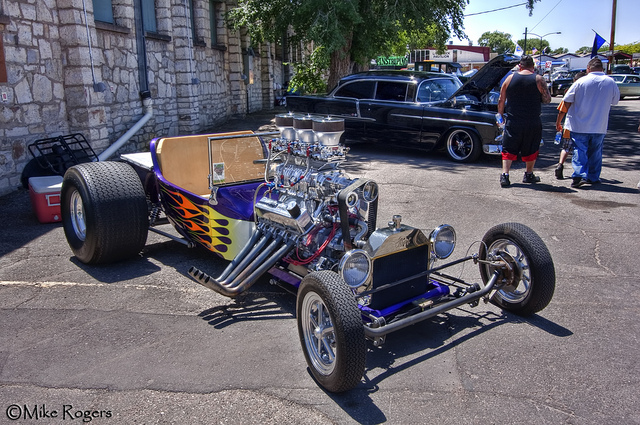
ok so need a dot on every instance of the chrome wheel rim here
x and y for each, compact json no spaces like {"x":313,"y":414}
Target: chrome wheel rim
{"x":517,"y":290}
{"x":78,"y":222}
{"x":319,"y":336}
{"x":459,"y":144}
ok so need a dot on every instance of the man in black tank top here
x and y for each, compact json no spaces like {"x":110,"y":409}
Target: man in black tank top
{"x":521,"y":97}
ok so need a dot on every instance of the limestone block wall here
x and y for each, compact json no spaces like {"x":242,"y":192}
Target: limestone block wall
{"x":54,"y":56}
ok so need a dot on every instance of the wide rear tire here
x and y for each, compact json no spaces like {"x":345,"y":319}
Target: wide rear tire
{"x":534,"y":276}
{"x":331,"y":331}
{"x":104,"y":212}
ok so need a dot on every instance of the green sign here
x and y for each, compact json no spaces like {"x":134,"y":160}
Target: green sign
{"x":392,"y":61}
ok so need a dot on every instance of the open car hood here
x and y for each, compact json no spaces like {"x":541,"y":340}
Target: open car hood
{"x":488,"y":77}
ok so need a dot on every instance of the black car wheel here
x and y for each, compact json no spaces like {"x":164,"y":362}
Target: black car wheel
{"x":463,"y":145}
{"x":331,"y":331}
{"x":104,"y":212}
{"x":530,"y":276}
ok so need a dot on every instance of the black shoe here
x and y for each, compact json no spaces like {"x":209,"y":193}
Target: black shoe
{"x":504,"y":180}
{"x":559,"y":170}
{"x":578,"y":181}
{"x":530,"y":178}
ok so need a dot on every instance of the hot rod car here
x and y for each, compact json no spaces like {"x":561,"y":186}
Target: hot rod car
{"x":279,"y":204}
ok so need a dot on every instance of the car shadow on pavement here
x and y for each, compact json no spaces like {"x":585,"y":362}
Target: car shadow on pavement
{"x":414,"y":340}
{"x":434,"y":334}
{"x":251,"y":306}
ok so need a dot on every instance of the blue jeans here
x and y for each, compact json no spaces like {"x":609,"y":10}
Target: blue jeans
{"x":587,"y":155}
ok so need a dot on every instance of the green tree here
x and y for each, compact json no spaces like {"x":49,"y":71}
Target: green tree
{"x":498,"y":42}
{"x":560,"y":50}
{"x":628,"y":48}
{"x":350,"y":31}
{"x":584,"y":49}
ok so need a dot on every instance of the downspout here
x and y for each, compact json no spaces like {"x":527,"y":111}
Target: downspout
{"x":145,"y":94}
{"x":147,"y":102}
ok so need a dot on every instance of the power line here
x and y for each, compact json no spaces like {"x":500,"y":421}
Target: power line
{"x":496,"y":10}
{"x":534,"y":27}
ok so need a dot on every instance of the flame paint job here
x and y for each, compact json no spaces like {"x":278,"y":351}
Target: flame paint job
{"x":203,"y":224}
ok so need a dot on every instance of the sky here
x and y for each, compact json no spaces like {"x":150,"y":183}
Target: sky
{"x":575,"y":19}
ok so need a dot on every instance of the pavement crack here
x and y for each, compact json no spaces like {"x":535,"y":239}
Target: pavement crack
{"x":596,"y":253}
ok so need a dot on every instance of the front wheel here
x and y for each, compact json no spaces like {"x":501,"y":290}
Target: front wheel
{"x":104,"y":212}
{"x":529,"y":277}
{"x":331,"y":331}
{"x":463,"y":146}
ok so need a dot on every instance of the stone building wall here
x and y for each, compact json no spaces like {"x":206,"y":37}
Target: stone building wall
{"x":62,"y":78}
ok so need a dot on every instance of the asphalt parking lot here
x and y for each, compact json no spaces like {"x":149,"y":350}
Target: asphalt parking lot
{"x":140,"y":342}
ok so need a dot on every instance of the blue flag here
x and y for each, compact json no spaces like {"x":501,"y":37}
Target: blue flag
{"x":597,"y":43}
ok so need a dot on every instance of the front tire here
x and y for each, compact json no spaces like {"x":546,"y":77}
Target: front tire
{"x":331,"y":331}
{"x":104,"y":212}
{"x":532,"y":283}
{"x":463,"y":146}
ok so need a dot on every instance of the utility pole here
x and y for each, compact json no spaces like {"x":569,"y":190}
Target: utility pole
{"x":524,"y":49}
{"x":613,"y":34}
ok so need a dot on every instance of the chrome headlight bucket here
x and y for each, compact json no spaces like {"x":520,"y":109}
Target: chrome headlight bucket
{"x":355,"y":268}
{"x":443,"y":241}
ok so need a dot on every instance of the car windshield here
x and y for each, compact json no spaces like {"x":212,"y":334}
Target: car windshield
{"x":437,"y":89}
{"x":618,"y":78}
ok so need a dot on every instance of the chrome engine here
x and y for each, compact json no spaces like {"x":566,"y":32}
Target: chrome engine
{"x":309,"y":212}
{"x":307,"y":188}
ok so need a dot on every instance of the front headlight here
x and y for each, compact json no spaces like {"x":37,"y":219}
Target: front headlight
{"x":355,"y":268}
{"x":443,"y":241}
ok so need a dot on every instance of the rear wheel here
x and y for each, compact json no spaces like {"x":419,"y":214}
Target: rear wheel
{"x":104,"y":212}
{"x":331,"y":331}
{"x":463,"y":146}
{"x":530,"y":277}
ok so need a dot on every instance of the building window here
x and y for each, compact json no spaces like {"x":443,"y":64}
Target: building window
{"x":103,"y":11}
{"x":213,"y":18}
{"x":149,"y":16}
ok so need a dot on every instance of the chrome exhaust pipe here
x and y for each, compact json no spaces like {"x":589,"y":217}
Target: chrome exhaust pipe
{"x":242,"y":254}
{"x":239,"y":285}
{"x":264,"y":249}
{"x":248,"y":258}
{"x":275,"y":243}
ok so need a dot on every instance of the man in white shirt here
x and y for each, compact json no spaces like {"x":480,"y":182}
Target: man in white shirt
{"x":590,"y":99}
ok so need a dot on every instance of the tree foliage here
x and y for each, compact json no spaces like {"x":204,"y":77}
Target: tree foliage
{"x":352,"y":31}
{"x":627,"y":48}
{"x":308,"y":75}
{"x":582,"y":50}
{"x":498,"y":42}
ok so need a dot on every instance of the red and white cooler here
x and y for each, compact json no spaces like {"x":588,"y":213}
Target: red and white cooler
{"x":45,"y":197}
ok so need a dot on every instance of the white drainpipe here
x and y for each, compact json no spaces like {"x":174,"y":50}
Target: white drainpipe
{"x":148,"y":104}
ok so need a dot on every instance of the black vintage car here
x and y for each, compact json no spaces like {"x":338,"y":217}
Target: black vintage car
{"x":422,"y":110}
{"x":561,"y":83}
